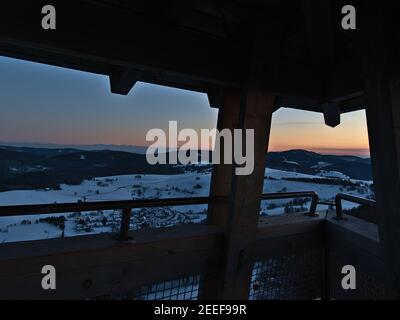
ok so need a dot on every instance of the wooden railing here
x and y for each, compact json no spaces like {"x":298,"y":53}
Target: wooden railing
{"x":104,"y":265}
{"x":347,"y":197}
{"x":290,"y":195}
{"x":145,"y":257}
{"x":125,"y":206}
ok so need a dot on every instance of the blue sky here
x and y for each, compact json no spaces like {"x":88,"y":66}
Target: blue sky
{"x":47,"y":104}
{"x":43,"y":103}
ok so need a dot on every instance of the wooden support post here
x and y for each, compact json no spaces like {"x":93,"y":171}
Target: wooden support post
{"x":383,"y":118}
{"x":239,"y":215}
{"x":125,"y":223}
{"x":246,"y":197}
{"x":221,"y":180}
{"x":248,"y":108}
{"x":221,"y":186}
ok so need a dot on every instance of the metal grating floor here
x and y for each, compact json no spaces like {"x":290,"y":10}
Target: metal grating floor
{"x":288,"y":277}
{"x":368,"y":286}
{"x":178,"y":289}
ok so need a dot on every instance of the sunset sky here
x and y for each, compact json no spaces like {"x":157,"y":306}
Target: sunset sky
{"x":294,"y":129}
{"x":46,"y":104}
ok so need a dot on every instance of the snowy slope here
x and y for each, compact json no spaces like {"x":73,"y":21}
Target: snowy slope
{"x":126,"y":187}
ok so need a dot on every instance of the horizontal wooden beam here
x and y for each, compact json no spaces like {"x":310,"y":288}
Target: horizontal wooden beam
{"x":345,"y":81}
{"x":102,"y":39}
{"x":284,"y":234}
{"x":363,"y":234}
{"x":91,"y":266}
{"x":115,"y":37}
{"x":21,"y":210}
{"x":285,"y":225}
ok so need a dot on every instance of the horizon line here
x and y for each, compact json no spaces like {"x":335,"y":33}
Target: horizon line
{"x":359,"y":152}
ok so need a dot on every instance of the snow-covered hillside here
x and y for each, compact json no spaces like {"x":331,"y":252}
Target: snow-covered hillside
{"x":126,"y":187}
{"x":276,"y":181}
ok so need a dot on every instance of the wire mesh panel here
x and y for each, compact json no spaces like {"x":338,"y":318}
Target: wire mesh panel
{"x":368,"y":286}
{"x":178,"y":289}
{"x":289,"y":277}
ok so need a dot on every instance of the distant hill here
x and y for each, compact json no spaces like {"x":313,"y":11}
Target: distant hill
{"x":89,"y":147}
{"x":312,"y":163}
{"x":37,"y":168}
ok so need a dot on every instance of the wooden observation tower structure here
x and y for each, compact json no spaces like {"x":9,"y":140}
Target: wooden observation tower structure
{"x":251,"y":58}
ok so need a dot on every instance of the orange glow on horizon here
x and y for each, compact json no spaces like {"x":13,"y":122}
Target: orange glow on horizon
{"x":307,"y":130}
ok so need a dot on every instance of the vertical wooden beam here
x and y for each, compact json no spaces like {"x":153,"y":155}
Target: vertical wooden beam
{"x":382,"y":94}
{"x":383,"y":118}
{"x":249,"y":108}
{"x":221,"y":180}
{"x":239,"y":215}
{"x":221,"y":186}
{"x":246,"y":197}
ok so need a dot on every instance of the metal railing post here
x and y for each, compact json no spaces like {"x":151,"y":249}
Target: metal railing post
{"x":341,"y":196}
{"x":338,"y":205}
{"x":125,"y":223}
{"x":288,"y":195}
{"x":313,"y":206}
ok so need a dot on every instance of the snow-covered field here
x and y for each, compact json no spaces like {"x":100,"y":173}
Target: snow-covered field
{"x":128,"y":187}
{"x":277,"y":183}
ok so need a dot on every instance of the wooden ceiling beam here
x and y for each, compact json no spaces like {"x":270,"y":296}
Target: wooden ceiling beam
{"x":102,"y":40}
{"x":320,"y":32}
{"x":110,"y":37}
